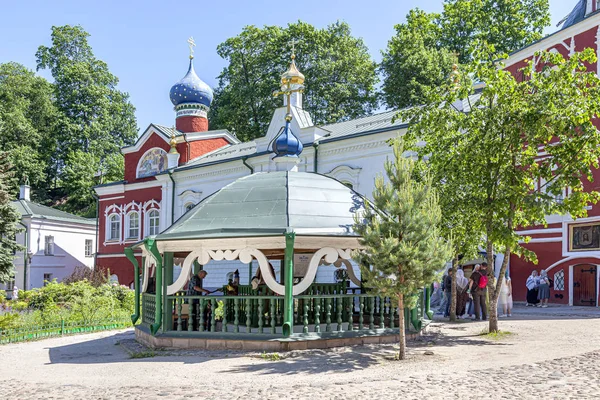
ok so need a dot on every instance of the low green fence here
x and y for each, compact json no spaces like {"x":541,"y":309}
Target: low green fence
{"x":59,"y":329}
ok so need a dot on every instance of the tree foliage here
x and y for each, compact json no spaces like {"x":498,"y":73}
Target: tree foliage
{"x":404,"y":250}
{"x":28,"y":123}
{"x":96,"y":119}
{"x":340,"y":76}
{"x":9,"y":219}
{"x":420,"y":55}
{"x":521,"y":149}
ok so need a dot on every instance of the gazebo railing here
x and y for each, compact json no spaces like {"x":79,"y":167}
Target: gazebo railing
{"x":313,"y":314}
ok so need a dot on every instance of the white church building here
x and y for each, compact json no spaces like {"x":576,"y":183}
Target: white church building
{"x":167,"y":172}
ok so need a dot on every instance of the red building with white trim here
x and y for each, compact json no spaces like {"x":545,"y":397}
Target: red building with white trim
{"x":132,"y":209}
{"x":568,"y":250}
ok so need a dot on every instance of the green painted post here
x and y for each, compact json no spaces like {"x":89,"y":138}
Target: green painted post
{"x":318,"y":316}
{"x":305,"y":328}
{"x":371,"y":312}
{"x":200,"y":314}
{"x":260,"y":315}
{"x":360,"y":313}
{"x":236,"y":311}
{"x":167,"y":324}
{"x":272,"y":314}
{"x":428,"y":302}
{"x":136,"y":283}
{"x":381,"y":312}
{"x":248,"y":315}
{"x":288,"y":313}
{"x":179,"y":306}
{"x":224,"y":324}
{"x":213,"y":322}
{"x":150,"y":245}
{"x":328,"y":319}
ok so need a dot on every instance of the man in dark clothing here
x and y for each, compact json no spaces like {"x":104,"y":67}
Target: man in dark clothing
{"x":448,"y":292}
{"x":479,"y":294}
{"x":195,"y":289}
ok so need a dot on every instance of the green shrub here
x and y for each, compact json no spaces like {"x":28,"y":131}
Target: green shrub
{"x":9,"y":321}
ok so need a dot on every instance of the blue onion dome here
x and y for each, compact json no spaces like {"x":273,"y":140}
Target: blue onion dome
{"x":287,"y":144}
{"x":191,"y":89}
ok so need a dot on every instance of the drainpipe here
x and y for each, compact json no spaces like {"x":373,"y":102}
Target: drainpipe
{"x":316,"y":157}
{"x":288,"y":310}
{"x":244,"y":161}
{"x":95,"y":196}
{"x":25,"y":257}
{"x":136,"y":283}
{"x":150,"y":245}
{"x":172,"y":198}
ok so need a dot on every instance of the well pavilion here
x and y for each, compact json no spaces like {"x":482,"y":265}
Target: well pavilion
{"x":261,"y":217}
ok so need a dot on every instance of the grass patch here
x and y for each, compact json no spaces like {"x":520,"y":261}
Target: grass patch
{"x":143,"y":354}
{"x":270,"y":356}
{"x":496,"y":335}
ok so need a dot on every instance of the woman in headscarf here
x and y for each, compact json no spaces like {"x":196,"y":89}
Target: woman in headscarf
{"x":544,"y":289}
{"x":532,"y":283}
{"x":505,"y":298}
{"x":462,"y":296}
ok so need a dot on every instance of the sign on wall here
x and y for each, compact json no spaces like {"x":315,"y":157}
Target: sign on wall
{"x":584,"y":237}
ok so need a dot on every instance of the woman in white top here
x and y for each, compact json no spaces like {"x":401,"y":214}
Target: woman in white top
{"x":505,"y":298}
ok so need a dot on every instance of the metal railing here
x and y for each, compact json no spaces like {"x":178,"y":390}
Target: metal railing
{"x":59,"y":329}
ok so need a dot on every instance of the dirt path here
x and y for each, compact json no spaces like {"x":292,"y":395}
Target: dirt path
{"x":554,"y":353}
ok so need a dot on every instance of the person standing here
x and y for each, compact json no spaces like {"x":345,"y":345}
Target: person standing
{"x":544,"y":289}
{"x":505,"y":298}
{"x":532,"y":284}
{"x":448,"y":292}
{"x":195,"y":289}
{"x":462,"y":297}
{"x":478,"y":290}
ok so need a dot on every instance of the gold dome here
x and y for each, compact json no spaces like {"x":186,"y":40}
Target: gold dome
{"x":173,"y":143}
{"x":292,"y":75}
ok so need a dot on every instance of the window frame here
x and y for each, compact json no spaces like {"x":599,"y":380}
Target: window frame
{"x":89,"y":247}
{"x":47,"y":277}
{"x":48,"y":245}
{"x":153,"y":230}
{"x":109,"y":225}
{"x":129,"y":220}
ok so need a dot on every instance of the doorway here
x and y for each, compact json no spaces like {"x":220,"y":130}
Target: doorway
{"x":584,"y":285}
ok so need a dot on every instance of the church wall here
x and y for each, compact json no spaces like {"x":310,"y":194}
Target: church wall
{"x":132,"y":159}
{"x":201,"y":147}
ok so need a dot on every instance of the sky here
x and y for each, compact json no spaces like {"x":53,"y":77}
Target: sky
{"x":144,"y":42}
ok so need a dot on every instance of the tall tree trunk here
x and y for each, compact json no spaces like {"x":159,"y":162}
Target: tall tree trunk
{"x":453,"y":289}
{"x":402,"y":334}
{"x":493,"y":326}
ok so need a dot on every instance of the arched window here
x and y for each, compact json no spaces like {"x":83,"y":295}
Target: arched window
{"x":114,"y":227}
{"x":152,"y":162}
{"x":189,"y":206}
{"x":133,"y":231}
{"x":153,"y":222}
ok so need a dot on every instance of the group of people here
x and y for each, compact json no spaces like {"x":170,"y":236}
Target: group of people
{"x":538,"y":289}
{"x":471,"y":294}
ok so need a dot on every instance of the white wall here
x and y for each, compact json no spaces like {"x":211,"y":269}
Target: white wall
{"x":69,"y":250}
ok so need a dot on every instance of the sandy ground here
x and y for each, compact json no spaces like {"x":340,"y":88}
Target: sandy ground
{"x":551,"y":353}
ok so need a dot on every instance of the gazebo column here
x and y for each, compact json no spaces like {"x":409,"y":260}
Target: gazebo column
{"x":136,"y":282}
{"x":150,"y":245}
{"x":288,"y":264}
{"x":168,"y":280}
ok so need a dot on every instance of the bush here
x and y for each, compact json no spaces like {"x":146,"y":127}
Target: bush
{"x":97,"y":277}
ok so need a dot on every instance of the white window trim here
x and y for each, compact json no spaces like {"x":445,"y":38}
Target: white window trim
{"x":147,"y":221}
{"x":91,"y":242}
{"x":128,"y":226}
{"x":46,"y":252}
{"x":346,"y":174}
{"x":109,"y":228}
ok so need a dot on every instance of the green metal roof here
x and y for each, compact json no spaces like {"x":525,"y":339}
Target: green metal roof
{"x":31,"y":209}
{"x":265,"y":204}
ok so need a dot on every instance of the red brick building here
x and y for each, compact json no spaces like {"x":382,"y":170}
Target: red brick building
{"x":568,"y":250}
{"x":132,"y":209}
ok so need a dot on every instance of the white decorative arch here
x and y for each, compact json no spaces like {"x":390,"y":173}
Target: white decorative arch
{"x":246,"y":255}
{"x":151,"y":204}
{"x":349,"y":269}
{"x":345,"y":174}
{"x":151,"y":163}
{"x":113,"y":209}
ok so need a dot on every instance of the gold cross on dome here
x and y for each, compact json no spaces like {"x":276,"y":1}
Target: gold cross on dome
{"x":293,"y":43}
{"x":191,"y":44}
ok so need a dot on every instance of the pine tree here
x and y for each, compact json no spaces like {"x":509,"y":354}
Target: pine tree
{"x":403,"y":248}
{"x":9,"y":219}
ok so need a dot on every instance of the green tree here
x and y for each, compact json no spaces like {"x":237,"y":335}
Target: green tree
{"x":96,"y":118}
{"x":492,"y":151}
{"x":9,"y":219}
{"x":340,"y":76}
{"x":420,"y":55}
{"x":29,"y":119}
{"x":400,"y":232}
{"x":414,"y":61}
{"x":508,"y":25}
